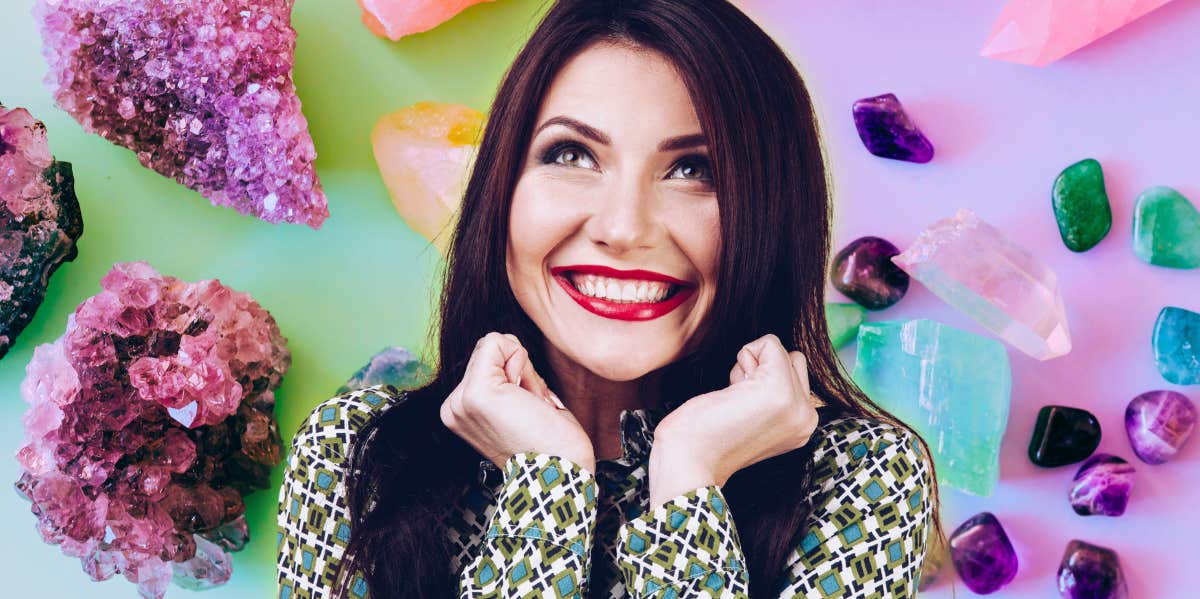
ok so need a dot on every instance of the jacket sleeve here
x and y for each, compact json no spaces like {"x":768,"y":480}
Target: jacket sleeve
{"x":313,"y":519}
{"x":866,"y":538}
{"x":686,"y":547}
{"x":540,"y":535}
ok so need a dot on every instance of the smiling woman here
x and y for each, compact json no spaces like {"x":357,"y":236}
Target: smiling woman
{"x":636,"y":393}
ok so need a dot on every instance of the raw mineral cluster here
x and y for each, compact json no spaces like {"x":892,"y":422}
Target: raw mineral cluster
{"x":202,"y":92}
{"x":150,"y":418}
{"x":39,"y":219}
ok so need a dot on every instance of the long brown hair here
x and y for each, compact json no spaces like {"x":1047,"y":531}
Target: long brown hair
{"x":775,"y":213}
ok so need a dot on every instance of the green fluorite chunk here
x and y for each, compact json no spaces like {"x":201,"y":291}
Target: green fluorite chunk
{"x":843,"y":320}
{"x":952,"y":386}
{"x":1176,"y":342}
{"x":1166,"y":229}
{"x":1081,"y":205}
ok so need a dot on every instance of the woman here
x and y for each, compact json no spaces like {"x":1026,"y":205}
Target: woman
{"x":637,"y":395}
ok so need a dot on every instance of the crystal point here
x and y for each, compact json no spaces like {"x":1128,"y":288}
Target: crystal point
{"x":952,"y":386}
{"x":972,"y":266}
{"x":201,"y":92}
{"x":1039,"y":32}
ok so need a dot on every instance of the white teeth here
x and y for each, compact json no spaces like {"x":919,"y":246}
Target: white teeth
{"x":620,"y":290}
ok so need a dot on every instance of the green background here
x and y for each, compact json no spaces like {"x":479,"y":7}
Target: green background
{"x":364,"y":281}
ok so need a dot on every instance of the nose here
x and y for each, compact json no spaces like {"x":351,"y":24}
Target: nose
{"x":626,"y":218}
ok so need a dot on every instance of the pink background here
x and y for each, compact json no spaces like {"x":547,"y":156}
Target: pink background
{"x":1002,"y":132}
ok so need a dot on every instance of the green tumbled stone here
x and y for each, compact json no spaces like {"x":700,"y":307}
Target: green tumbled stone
{"x":1166,"y":229}
{"x":843,"y":320}
{"x":1081,"y":205}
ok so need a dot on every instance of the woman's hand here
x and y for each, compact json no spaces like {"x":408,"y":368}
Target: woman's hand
{"x":503,"y":407}
{"x":767,"y":410}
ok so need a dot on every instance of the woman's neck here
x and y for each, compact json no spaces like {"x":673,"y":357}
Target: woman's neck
{"x":597,"y":402}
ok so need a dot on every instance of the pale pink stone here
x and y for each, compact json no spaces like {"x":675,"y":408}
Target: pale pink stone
{"x":395,"y":19}
{"x":1039,"y":32}
{"x":972,"y":266}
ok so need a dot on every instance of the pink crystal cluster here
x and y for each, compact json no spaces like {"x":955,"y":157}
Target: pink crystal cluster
{"x":202,"y":91}
{"x":149,"y":420}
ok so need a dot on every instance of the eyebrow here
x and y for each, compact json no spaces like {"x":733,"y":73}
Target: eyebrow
{"x":680,"y":142}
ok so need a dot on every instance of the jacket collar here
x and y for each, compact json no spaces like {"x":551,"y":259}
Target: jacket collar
{"x":637,"y":438}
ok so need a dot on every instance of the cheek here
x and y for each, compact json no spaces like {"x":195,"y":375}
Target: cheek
{"x":537,"y":223}
{"x":700,"y":239}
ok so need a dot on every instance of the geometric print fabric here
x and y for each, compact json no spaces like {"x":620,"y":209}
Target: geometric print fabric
{"x":542,"y":526}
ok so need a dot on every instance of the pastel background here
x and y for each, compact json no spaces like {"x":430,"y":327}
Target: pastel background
{"x":1002,"y":133}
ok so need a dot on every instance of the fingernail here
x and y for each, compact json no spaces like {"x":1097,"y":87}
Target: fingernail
{"x":518,"y":383}
{"x":557,"y":401}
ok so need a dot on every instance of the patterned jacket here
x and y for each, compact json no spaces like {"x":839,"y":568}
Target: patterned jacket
{"x":545,"y":527}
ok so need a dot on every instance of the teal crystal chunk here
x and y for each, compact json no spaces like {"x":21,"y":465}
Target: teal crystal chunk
{"x":843,"y":319}
{"x":1166,"y":229}
{"x":952,"y":386}
{"x":1176,"y":342}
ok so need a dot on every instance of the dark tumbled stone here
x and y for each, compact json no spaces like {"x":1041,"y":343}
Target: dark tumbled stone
{"x":1063,"y":436}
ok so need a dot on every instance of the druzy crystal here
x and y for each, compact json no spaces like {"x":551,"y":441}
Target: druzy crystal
{"x":982,"y":554}
{"x":1102,"y":486}
{"x":395,"y":19}
{"x":394,"y":366}
{"x":1176,"y":341}
{"x":424,"y":153}
{"x":843,"y":320}
{"x":1039,"y":32}
{"x":887,"y":131}
{"x":1081,"y":205}
{"x":1166,"y":229}
{"x":1063,"y":436}
{"x":975,"y":268}
{"x":150,"y":418}
{"x":1091,"y":572}
{"x":39,"y":220}
{"x":952,"y":386}
{"x":1158,"y":424}
{"x":863,"y":271}
{"x":202,"y":92}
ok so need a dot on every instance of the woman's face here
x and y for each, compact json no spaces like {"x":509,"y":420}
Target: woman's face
{"x":616,"y":177}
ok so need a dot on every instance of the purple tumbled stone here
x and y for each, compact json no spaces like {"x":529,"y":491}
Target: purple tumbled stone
{"x":1102,"y":486}
{"x":202,"y":92}
{"x":1091,"y":572}
{"x":887,"y":131}
{"x":1159,"y":424}
{"x":982,"y":554}
{"x":863,"y":271}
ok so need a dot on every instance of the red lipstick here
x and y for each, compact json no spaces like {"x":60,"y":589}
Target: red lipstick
{"x":623,"y":310}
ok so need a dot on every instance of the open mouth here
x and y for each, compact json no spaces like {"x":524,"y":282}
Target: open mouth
{"x":623,"y":299}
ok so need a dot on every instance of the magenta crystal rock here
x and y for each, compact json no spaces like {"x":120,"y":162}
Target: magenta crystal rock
{"x":1159,"y":424}
{"x":1102,"y":486}
{"x":202,"y":92}
{"x":150,"y":418}
{"x":982,"y":554}
{"x":39,"y":220}
{"x":887,"y":131}
{"x":1091,"y":572}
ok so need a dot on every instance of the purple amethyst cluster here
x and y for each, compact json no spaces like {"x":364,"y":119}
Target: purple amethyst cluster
{"x":202,"y":92}
{"x":149,"y":420}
